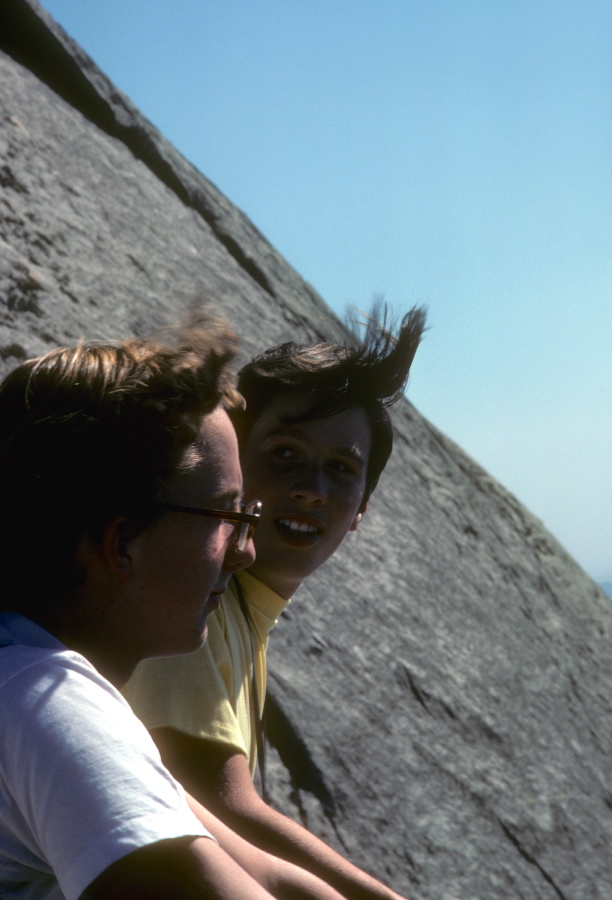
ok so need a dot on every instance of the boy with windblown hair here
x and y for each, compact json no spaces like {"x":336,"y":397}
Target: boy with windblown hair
{"x":314,"y":439}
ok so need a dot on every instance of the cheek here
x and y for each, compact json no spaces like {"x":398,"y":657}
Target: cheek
{"x":351,"y":501}
{"x":205,"y":557}
{"x":193,"y":558}
{"x":213,"y":555}
{"x":259,"y":480}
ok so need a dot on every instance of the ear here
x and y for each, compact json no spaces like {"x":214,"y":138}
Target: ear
{"x":118,"y":547}
{"x":358,"y":518}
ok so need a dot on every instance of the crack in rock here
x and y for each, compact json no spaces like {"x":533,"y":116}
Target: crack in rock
{"x":532,"y":860}
{"x":60,"y":64}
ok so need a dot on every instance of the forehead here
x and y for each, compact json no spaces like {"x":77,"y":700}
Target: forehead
{"x":348,"y":429}
{"x":210,"y":468}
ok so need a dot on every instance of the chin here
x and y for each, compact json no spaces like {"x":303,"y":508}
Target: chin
{"x":199,"y":640}
{"x":190,"y":644}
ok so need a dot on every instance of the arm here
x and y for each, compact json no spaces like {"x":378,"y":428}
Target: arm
{"x":179,"y":869}
{"x":284,"y":880}
{"x":195,"y":868}
{"x":220,"y":778}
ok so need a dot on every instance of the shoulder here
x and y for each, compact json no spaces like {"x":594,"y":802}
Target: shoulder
{"x":53,"y":702}
{"x":28,"y":674}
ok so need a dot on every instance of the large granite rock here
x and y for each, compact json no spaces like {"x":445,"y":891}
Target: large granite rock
{"x":440,"y":700}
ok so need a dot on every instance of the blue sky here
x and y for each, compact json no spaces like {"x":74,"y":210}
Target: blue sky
{"x":456,"y":153}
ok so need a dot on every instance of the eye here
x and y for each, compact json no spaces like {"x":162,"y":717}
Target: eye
{"x":344,"y":467}
{"x":284,"y":452}
{"x":231,"y":504}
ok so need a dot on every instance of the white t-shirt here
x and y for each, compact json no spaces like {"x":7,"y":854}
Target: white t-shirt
{"x":81,"y":781}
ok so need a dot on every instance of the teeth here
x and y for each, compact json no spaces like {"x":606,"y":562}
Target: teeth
{"x":298,"y":526}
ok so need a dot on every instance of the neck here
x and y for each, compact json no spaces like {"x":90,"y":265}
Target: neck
{"x":284,"y":587}
{"x":74,"y":637}
{"x":115,"y":669}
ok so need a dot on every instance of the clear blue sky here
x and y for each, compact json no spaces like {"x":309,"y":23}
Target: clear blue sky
{"x":456,"y":153}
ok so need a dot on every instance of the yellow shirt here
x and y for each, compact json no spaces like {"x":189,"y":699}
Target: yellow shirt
{"x":208,"y":694}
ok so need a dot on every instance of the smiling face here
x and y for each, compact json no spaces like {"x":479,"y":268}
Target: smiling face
{"x":311,"y":478}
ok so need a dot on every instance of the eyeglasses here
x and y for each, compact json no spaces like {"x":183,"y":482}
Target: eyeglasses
{"x":246,"y":520}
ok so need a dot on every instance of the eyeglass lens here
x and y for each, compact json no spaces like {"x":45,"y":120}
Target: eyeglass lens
{"x":245,"y":530}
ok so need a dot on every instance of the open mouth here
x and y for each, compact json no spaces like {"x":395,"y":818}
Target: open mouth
{"x":298,"y":528}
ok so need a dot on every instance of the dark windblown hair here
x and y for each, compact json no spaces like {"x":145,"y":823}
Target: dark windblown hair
{"x":94,"y":431}
{"x":370,"y":373}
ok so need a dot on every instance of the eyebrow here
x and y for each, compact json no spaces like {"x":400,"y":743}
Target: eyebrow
{"x":296,"y":432}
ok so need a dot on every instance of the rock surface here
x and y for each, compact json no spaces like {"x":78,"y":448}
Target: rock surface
{"x":440,"y":692}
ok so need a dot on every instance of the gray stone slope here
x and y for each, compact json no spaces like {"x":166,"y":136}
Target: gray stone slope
{"x":32,"y":38}
{"x":440,"y":700}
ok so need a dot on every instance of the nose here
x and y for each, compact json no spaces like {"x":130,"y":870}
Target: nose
{"x":239,"y":559}
{"x":310,"y":485}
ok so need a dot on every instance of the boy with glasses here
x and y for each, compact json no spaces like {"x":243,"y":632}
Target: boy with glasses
{"x":314,"y":439}
{"x":120,"y":529}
